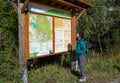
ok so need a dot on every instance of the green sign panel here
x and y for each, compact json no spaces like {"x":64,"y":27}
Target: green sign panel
{"x":49,"y":11}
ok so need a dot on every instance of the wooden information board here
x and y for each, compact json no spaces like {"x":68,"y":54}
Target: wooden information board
{"x":48,"y":31}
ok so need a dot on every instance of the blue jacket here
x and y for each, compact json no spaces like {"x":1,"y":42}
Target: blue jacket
{"x":80,"y":47}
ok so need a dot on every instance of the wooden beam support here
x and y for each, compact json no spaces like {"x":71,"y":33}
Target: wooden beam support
{"x":51,"y":4}
{"x":25,"y":6}
{"x":67,"y":4}
{"x":84,"y":2}
{"x":81,"y":13}
{"x":73,"y":31}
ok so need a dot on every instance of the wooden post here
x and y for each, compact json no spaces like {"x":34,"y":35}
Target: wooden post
{"x":22,"y":56}
{"x":73,"y":31}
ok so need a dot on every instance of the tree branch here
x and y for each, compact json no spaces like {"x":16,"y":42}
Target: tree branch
{"x":24,"y":6}
{"x":14,"y":6}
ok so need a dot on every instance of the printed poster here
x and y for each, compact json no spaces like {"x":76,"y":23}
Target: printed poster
{"x":67,"y":34}
{"x":59,"y":34}
{"x":62,"y":34}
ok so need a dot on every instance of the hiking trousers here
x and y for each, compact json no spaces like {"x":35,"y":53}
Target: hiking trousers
{"x":81,"y":62}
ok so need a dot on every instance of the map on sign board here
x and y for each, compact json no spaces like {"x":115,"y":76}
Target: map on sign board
{"x":40,"y":35}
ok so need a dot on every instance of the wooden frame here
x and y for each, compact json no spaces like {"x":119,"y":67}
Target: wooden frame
{"x":53,"y":33}
{"x":27,"y":35}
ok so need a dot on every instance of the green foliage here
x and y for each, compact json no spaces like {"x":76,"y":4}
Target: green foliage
{"x":9,"y":67}
{"x":101,"y":25}
{"x":102,"y":67}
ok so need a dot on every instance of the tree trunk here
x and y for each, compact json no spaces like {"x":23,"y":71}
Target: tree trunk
{"x":22,"y":57}
{"x":100,"y":45}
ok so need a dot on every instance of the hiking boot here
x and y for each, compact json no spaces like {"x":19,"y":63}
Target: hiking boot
{"x":82,"y":79}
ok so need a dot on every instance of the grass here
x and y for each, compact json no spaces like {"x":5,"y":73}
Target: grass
{"x":102,"y":68}
{"x":51,"y":74}
{"x":98,"y":69}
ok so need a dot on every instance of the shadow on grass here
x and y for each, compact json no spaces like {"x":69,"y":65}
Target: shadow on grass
{"x":40,"y":62}
{"x":76,"y":73}
{"x":57,"y":59}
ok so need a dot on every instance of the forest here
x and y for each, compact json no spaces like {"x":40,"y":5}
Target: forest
{"x":101,"y":27}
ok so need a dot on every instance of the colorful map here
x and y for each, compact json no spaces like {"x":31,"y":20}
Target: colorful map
{"x":40,"y":34}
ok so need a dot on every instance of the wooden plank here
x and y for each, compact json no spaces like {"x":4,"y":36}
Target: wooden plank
{"x":67,"y":4}
{"x":27,"y":35}
{"x":86,"y":3}
{"x":53,"y":27}
{"x":47,"y":55}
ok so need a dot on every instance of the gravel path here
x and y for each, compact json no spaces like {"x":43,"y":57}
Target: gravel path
{"x":116,"y":79}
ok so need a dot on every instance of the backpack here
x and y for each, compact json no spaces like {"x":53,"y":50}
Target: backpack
{"x":86,"y":46}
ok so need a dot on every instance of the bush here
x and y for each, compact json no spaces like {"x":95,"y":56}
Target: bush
{"x":9,"y":67}
{"x":9,"y":72}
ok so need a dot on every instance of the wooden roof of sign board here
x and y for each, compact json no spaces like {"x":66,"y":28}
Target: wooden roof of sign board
{"x":67,"y":5}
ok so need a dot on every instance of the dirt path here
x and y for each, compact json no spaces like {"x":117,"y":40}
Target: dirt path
{"x":116,"y":79}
